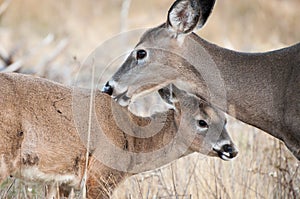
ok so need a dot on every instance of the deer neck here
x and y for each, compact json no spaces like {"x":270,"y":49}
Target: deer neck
{"x":123,"y":130}
{"x":255,"y":83}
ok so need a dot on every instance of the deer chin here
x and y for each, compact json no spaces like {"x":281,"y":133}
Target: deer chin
{"x":141,"y":91}
{"x":130,"y":95}
{"x":122,"y":99}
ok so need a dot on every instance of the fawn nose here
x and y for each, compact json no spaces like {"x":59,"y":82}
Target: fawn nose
{"x":226,"y":151}
{"x":108,"y":89}
{"x":229,"y":150}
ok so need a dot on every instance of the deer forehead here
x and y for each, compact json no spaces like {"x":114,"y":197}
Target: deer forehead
{"x":214,"y":115}
{"x":206,"y":112}
{"x":159,"y":37}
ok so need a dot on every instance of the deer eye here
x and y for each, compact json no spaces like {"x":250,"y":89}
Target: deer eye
{"x":203,"y":124}
{"x":141,"y":54}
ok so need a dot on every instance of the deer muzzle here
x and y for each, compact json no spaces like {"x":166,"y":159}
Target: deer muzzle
{"x":226,"y":152}
{"x":120,"y":97}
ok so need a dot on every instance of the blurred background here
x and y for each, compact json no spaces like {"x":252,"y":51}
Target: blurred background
{"x":52,"y":38}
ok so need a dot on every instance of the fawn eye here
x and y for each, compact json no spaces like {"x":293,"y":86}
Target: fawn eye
{"x":141,"y":54}
{"x":203,"y":124}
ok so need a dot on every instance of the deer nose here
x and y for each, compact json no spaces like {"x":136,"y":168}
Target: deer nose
{"x":226,"y":151}
{"x":108,"y":89}
{"x":229,"y":150}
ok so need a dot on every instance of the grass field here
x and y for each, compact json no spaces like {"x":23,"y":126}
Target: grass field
{"x":264,"y":167}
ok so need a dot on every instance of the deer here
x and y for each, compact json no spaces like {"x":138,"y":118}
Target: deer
{"x":44,"y":125}
{"x":259,"y":89}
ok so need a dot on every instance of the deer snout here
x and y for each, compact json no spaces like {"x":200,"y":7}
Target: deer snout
{"x":227,"y":151}
{"x":230,"y":151}
{"x":112,"y":89}
{"x":108,"y":89}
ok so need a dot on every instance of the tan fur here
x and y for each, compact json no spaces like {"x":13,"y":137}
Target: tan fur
{"x":260,"y":89}
{"x":39,"y":135}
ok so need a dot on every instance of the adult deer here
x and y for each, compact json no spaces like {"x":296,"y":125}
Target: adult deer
{"x":260,"y":89}
{"x":43,"y":136}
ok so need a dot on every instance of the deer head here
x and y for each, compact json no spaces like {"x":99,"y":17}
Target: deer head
{"x":159,"y":49}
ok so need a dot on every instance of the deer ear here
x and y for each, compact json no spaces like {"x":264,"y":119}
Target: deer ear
{"x":167,"y":96}
{"x":185,"y":16}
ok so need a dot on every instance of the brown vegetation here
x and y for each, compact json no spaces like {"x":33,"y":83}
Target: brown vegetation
{"x":264,"y":167}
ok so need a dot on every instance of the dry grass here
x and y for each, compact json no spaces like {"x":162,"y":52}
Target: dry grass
{"x":264,"y":167}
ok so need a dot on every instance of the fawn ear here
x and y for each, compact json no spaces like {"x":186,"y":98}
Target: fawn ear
{"x":167,"y":94}
{"x":185,"y":16}
{"x":170,"y":93}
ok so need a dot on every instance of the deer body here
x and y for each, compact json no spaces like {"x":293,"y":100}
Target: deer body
{"x":260,"y":89}
{"x":40,"y":139}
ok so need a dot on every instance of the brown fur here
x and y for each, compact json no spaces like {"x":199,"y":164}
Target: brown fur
{"x":41,"y":125}
{"x":260,"y":89}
